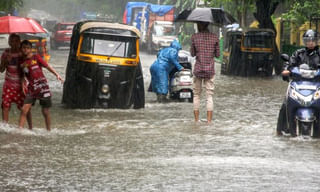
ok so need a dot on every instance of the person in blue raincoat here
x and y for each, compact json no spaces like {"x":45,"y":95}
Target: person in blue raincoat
{"x":167,"y":59}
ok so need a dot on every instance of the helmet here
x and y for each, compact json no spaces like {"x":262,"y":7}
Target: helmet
{"x":310,"y":35}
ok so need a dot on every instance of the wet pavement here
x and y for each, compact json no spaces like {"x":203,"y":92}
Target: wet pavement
{"x":160,"y":148}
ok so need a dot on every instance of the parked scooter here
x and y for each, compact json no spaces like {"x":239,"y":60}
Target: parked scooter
{"x":300,"y":114}
{"x":181,"y":81}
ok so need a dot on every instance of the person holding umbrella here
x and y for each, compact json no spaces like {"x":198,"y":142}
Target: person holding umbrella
{"x":205,"y":46}
{"x":10,"y":60}
{"x":12,"y":91}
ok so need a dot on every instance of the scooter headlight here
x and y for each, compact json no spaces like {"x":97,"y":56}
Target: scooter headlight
{"x":105,"y":89}
{"x":303,"y":100}
{"x":316,"y":95}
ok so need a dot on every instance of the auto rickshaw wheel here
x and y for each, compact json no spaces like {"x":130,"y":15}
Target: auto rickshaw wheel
{"x":138,"y":96}
{"x":223,"y":68}
{"x":269,"y":71}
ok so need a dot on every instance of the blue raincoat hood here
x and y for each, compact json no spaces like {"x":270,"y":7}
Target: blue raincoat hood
{"x":176,"y":45}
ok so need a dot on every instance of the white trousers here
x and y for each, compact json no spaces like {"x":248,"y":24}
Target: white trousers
{"x":197,"y":88}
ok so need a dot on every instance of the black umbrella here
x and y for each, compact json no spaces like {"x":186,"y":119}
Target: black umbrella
{"x":215,"y":16}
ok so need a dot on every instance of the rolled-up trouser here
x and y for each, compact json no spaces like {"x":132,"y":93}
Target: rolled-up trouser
{"x":197,"y":88}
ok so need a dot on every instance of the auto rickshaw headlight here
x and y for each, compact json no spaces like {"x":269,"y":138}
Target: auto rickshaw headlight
{"x":105,"y":89}
{"x":270,"y":57}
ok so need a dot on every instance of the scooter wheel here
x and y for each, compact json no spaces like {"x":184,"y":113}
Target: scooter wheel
{"x":305,"y":128}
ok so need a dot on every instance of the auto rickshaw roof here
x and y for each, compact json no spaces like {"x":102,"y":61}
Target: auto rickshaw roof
{"x":114,"y":26}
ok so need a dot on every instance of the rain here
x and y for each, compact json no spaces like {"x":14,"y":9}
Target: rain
{"x":130,"y":145}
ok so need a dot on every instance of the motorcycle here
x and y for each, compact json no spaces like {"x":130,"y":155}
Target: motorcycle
{"x":300,"y":113}
{"x":180,"y":87}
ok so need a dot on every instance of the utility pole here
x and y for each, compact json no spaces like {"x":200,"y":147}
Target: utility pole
{"x":158,"y":2}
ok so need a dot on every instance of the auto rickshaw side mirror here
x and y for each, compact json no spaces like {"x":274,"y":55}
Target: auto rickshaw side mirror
{"x":285,"y":57}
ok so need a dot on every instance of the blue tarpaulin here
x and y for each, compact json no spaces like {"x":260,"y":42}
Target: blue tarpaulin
{"x":160,"y":10}
{"x":130,"y":6}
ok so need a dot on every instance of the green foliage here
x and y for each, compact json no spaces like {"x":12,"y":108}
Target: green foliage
{"x":71,"y":9}
{"x":234,"y":7}
{"x":301,"y":11}
{"x":10,"y":5}
{"x":181,"y":4}
{"x":186,"y":28}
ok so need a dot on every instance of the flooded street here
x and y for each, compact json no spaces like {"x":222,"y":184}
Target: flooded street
{"x":160,"y":148}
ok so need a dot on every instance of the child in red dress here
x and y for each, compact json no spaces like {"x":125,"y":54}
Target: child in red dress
{"x":38,"y":87}
{"x":12,"y":89}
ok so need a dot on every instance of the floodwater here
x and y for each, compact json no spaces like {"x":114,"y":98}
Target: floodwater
{"x":160,"y":148}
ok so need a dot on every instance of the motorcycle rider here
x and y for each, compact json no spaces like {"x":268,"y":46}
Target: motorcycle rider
{"x":166,"y":60}
{"x":309,"y":55}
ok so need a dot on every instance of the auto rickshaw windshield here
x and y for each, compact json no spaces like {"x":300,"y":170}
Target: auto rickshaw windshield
{"x":108,"y":45}
{"x":258,"y":41}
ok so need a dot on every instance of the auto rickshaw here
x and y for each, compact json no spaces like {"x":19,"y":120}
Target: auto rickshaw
{"x":252,"y":53}
{"x":104,"y":69}
{"x":39,"y":44}
{"x":231,"y":52}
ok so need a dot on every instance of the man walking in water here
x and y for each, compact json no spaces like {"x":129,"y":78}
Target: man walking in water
{"x":205,"y":46}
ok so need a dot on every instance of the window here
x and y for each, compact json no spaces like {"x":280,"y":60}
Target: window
{"x":258,"y":41}
{"x":99,"y":44}
{"x":66,"y":27}
{"x":161,"y":30}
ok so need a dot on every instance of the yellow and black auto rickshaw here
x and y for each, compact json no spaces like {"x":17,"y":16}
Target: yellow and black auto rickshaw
{"x":104,"y":69}
{"x":231,"y":52}
{"x":252,"y":53}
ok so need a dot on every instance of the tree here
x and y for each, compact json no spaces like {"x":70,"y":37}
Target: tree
{"x":185,"y":29}
{"x":261,"y":9}
{"x":71,"y":9}
{"x":238,"y":8}
{"x":264,"y":11}
{"x":182,"y":4}
{"x":10,"y":5}
{"x":302,"y":11}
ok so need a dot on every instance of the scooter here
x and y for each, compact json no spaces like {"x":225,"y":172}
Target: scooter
{"x":180,"y":87}
{"x":300,"y":113}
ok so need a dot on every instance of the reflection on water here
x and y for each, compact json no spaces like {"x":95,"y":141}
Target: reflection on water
{"x":160,"y":148}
